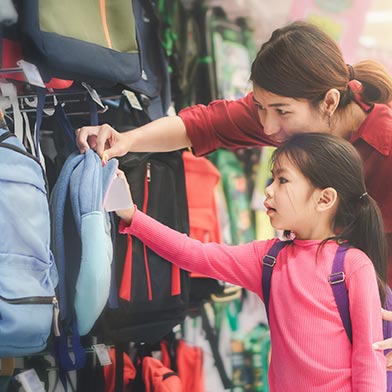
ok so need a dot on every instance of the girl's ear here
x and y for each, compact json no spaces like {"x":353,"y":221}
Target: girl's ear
{"x":331,"y":101}
{"x":328,"y":199}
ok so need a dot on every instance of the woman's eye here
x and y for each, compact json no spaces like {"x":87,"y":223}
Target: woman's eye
{"x":282,"y":112}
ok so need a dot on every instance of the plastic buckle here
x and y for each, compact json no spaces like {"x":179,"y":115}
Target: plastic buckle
{"x":268,"y":263}
{"x":337,"y":277}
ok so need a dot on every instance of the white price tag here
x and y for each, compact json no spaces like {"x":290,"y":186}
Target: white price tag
{"x":30,"y":381}
{"x":117,"y":197}
{"x":94,"y":96}
{"x":132,"y":99}
{"x":103,"y":354}
{"x":31,"y":73}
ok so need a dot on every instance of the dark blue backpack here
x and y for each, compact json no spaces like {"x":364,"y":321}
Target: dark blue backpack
{"x":27,"y":273}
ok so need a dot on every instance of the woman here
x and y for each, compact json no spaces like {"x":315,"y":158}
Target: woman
{"x":301,"y":83}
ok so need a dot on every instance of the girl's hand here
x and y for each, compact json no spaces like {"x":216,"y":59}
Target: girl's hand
{"x":126,"y":215}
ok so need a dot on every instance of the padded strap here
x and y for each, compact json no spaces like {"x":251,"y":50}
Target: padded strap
{"x":269,"y":260}
{"x":41,"y":93}
{"x":338,"y":284}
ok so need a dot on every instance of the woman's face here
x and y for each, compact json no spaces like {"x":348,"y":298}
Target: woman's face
{"x":282,"y":117}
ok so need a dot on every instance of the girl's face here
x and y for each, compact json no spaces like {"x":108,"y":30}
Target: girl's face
{"x":291,"y":202}
{"x":282,"y":117}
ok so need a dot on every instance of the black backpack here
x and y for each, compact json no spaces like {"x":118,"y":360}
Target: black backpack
{"x":152,"y":293}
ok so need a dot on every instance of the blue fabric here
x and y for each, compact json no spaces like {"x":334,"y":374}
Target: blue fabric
{"x":27,"y":270}
{"x":81,"y":238}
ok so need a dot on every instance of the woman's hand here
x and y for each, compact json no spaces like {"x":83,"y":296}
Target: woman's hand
{"x":105,"y":140}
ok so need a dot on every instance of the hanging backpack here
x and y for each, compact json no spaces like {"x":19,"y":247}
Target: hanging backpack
{"x":202,"y":178}
{"x":153,"y":294}
{"x":82,"y":245}
{"x":81,"y":40}
{"x":27,"y":272}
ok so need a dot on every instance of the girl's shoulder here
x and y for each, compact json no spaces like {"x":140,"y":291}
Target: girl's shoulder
{"x":355,"y":259}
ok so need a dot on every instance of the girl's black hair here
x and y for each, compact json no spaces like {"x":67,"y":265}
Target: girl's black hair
{"x":329,"y":161}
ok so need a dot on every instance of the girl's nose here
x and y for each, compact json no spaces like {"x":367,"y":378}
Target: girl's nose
{"x":268,"y":190}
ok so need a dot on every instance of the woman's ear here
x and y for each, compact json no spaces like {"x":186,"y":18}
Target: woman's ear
{"x":331,"y":101}
{"x":328,"y":199}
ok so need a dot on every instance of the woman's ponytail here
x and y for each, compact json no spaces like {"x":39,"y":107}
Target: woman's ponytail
{"x":376,"y":82}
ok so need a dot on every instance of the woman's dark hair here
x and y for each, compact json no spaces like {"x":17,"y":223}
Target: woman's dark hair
{"x":301,"y":61}
{"x":329,"y":161}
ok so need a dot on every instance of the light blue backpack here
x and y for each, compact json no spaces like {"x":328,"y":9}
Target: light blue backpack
{"x":82,"y":246}
{"x":27,"y":273}
{"x":81,"y":237}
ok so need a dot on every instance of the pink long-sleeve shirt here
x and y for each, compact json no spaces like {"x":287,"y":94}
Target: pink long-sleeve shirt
{"x":310,"y":348}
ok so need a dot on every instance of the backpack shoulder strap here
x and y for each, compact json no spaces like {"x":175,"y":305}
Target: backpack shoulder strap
{"x":337,"y":281}
{"x":269,"y":260}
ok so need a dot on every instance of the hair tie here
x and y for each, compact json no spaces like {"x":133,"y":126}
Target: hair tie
{"x":363,"y":195}
{"x":351,"y":72}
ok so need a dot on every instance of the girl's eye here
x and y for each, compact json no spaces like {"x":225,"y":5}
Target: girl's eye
{"x":282,"y":112}
{"x":282,"y":180}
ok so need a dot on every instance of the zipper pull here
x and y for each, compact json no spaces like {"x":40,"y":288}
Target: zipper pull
{"x":148,"y":172}
{"x":56,"y":312}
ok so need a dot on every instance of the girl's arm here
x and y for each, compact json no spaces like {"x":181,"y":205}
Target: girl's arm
{"x":239,"y":265}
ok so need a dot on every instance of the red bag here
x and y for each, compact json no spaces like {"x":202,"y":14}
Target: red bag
{"x":11,"y":53}
{"x":109,"y":372}
{"x":190,"y":367}
{"x":188,"y":362}
{"x":159,"y":378}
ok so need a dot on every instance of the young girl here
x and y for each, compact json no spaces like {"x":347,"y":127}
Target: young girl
{"x":318,"y":197}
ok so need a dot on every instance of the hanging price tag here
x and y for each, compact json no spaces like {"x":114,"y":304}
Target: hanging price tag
{"x":103,"y":354}
{"x":31,"y":73}
{"x":30,"y":381}
{"x":117,"y":197}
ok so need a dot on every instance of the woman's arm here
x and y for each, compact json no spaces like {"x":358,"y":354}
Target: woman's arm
{"x":222,"y":123}
{"x":164,"y":134}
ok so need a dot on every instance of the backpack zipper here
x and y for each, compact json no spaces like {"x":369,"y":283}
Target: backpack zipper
{"x":126,"y":281}
{"x":175,"y":275}
{"x":147,"y":180}
{"x":38,"y":300}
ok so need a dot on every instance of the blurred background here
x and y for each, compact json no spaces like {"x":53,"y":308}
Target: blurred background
{"x":362,"y":27}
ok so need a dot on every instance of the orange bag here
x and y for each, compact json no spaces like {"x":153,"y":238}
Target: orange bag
{"x":159,"y":378}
